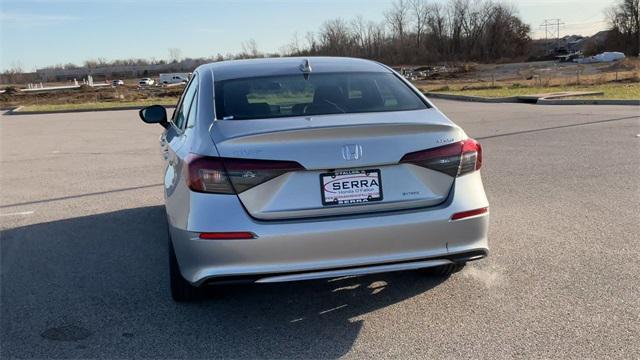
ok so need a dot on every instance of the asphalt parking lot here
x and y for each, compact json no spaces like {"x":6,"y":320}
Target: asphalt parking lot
{"x":84,"y":259}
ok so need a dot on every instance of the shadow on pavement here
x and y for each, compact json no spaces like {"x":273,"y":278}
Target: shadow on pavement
{"x":97,"y":286}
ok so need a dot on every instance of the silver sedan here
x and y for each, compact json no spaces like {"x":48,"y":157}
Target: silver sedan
{"x":306,"y":168}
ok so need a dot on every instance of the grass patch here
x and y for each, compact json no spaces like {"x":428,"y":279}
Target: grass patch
{"x":103,"y":105}
{"x":611,"y":90}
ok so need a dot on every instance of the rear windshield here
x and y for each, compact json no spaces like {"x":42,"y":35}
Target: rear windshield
{"x":317,"y":94}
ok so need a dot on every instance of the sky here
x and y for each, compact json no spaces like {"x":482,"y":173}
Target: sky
{"x":37,"y":33}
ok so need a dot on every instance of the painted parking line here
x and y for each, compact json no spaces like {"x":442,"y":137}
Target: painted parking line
{"x":20,"y":213}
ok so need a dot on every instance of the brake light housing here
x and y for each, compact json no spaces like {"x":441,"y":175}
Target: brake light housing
{"x":232,"y":175}
{"x":456,"y":159}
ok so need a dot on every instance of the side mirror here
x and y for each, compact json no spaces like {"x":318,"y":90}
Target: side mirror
{"x":154,"y":114}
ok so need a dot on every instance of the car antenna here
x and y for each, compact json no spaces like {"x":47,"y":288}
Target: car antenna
{"x":305,"y":67}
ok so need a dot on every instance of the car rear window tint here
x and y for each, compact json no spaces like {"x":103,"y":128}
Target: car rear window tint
{"x":315,"y":94}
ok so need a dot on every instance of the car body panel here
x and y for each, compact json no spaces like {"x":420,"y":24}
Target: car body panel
{"x":294,"y":232}
{"x":323,"y":243}
{"x":225,"y":70}
{"x":404,"y":186}
{"x":317,"y":144}
{"x":351,"y":271}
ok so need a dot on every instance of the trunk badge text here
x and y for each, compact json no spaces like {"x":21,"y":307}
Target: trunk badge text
{"x":351,"y":152}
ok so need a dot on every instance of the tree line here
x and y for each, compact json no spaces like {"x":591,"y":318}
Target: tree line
{"x":624,"y":20}
{"x":411,"y":32}
{"x":424,"y":31}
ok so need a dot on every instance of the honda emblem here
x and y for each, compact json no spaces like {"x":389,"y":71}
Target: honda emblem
{"x":351,"y":152}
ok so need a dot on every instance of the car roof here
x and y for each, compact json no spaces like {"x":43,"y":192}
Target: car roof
{"x":236,"y":69}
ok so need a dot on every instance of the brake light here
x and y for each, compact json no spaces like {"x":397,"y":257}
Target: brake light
{"x":206,"y":174}
{"x":471,"y":156}
{"x":455,"y":159}
{"x":231,"y":175}
{"x":239,"y":235}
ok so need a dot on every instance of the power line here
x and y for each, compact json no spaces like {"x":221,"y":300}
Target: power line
{"x":551,"y":28}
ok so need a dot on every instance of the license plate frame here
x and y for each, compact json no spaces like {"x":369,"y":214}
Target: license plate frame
{"x":350,"y":196}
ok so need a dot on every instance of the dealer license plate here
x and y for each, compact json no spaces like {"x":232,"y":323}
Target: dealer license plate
{"x":351,"y":187}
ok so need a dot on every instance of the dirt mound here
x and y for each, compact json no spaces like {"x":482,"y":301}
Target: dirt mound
{"x":87,"y":94}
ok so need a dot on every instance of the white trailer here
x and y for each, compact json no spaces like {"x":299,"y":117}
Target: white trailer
{"x":174,"y":78}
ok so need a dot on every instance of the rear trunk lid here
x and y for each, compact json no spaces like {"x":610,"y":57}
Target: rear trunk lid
{"x":355,"y":147}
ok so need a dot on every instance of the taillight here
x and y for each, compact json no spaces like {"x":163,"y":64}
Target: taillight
{"x":471,"y":156}
{"x":455,"y":159}
{"x":231,"y":175}
{"x":207,"y":174}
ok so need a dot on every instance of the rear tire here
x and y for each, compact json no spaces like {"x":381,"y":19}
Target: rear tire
{"x":181,"y":289}
{"x":445,"y":270}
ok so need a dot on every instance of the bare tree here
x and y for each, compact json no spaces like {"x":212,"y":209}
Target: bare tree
{"x":293,"y":47}
{"x":360,"y":35}
{"x":91,"y":64}
{"x":420,"y":31}
{"x":504,"y":35}
{"x":335,"y":38}
{"x":457,"y":12}
{"x":175,"y":55}
{"x":250,"y":49}
{"x":102,"y":61}
{"x":378,"y":39}
{"x":420,"y":11}
{"x":624,"y":20}
{"x":478,"y":15}
{"x":16,"y":67}
{"x":414,"y":31}
{"x":398,"y":18}
{"x":310,"y":38}
{"x":13,"y":74}
{"x":437,"y":27}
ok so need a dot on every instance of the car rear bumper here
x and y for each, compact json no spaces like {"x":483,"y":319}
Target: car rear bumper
{"x":327,"y":247}
{"x":351,"y":271}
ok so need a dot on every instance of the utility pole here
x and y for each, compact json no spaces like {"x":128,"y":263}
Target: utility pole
{"x":549,"y":25}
